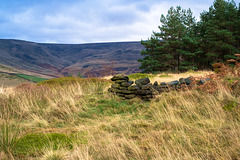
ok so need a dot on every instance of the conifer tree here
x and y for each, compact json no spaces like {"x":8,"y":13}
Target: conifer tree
{"x":217,"y":30}
{"x":237,"y":29}
{"x":164,"y":48}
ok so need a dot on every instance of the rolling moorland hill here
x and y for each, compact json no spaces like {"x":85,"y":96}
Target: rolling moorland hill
{"x":94,"y":59}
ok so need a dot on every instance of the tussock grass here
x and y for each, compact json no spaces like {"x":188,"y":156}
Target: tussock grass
{"x":190,"y":124}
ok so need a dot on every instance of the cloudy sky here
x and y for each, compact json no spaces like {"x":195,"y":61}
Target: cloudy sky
{"x":87,"y":21}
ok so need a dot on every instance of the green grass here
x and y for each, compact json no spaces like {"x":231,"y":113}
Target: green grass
{"x":109,"y":107}
{"x":34,"y":143}
{"x":135,"y":76}
{"x":31,"y":78}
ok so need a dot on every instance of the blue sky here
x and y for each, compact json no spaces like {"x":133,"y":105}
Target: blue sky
{"x":87,"y":21}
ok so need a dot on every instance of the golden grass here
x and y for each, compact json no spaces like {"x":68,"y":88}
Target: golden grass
{"x":167,"y":77}
{"x":175,"y":125}
{"x":171,"y":77}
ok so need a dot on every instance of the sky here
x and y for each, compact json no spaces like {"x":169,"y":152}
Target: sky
{"x":87,"y":21}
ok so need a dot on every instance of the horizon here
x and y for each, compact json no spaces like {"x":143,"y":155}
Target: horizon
{"x":69,"y":43}
{"x":93,"y":21}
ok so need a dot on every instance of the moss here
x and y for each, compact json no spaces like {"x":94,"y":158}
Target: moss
{"x":34,"y":143}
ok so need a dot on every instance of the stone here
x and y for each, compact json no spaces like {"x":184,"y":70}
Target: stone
{"x":120,"y":81}
{"x":123,"y":88}
{"x":147,"y":86}
{"x":155,"y":83}
{"x":121,"y":95}
{"x":117,"y":90}
{"x":125,"y":92}
{"x":115,"y":85}
{"x":173,"y":83}
{"x":119,"y":77}
{"x":127,"y":84}
{"x":133,"y":88}
{"x":143,"y":92}
{"x":185,"y":80}
{"x":131,"y":82}
{"x":202,"y":81}
{"x":142,"y":81}
{"x":157,"y":88}
{"x":163,"y":84}
{"x":130,"y":96}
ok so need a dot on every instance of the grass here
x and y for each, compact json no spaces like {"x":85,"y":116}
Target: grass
{"x":9,"y":76}
{"x":34,"y":143}
{"x":74,"y":118}
{"x":135,"y":76}
{"x":30,"y":78}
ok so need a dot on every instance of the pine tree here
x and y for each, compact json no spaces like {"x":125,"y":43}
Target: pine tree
{"x":237,"y":29}
{"x":164,"y":49}
{"x":217,"y":31}
{"x":189,"y":49}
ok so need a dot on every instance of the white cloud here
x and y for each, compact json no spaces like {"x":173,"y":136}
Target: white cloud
{"x":92,"y":21}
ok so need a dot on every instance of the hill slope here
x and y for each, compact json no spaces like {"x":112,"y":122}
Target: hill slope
{"x":63,"y":59}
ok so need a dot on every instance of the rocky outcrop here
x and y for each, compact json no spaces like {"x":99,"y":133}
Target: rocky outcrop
{"x":146,"y":90}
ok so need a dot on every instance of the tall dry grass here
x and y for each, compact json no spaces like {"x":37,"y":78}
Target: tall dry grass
{"x":190,"y":124}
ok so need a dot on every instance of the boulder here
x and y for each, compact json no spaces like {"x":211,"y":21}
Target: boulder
{"x":121,"y":95}
{"x":119,"y":77}
{"x":143,"y":92}
{"x":130,"y":96}
{"x":115,"y":85}
{"x":185,"y":80}
{"x":127,"y":84}
{"x":173,"y":83}
{"x":202,"y":81}
{"x":163,"y":84}
{"x":120,"y":81}
{"x":133,"y":88}
{"x":142,"y":81}
{"x":123,"y":88}
{"x":125,"y":91}
{"x":155,"y":83}
{"x":147,"y":86}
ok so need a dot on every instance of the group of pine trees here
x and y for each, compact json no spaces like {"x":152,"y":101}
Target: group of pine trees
{"x":184,"y":44}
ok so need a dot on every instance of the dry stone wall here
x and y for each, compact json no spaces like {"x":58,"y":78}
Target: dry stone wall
{"x":146,"y":90}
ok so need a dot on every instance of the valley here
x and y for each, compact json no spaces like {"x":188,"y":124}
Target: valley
{"x":57,"y":60}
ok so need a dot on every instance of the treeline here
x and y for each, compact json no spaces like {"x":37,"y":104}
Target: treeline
{"x":184,"y":44}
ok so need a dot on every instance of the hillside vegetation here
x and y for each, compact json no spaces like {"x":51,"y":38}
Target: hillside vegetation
{"x":7,"y":80}
{"x":95,"y":59}
{"x":74,"y":118}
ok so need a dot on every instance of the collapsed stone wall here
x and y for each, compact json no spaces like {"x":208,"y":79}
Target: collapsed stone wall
{"x":146,"y":90}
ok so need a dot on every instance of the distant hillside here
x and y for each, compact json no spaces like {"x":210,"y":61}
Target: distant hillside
{"x":64,"y":59}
